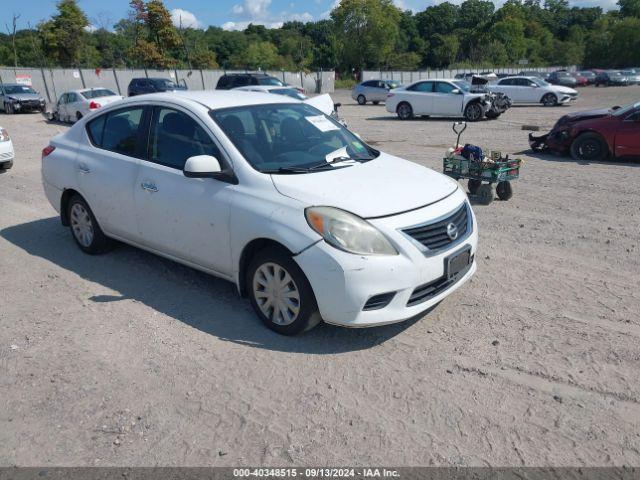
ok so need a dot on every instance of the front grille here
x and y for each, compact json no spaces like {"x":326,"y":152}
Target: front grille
{"x":379,"y":301}
{"x":434,"y":235}
{"x":429,"y":290}
{"x":6,"y":156}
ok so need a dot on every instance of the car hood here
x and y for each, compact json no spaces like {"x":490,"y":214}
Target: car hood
{"x":323,"y":102}
{"x":384,"y":186}
{"x":25,"y":96}
{"x":107,"y":100}
{"x":584,"y":115}
{"x":563,"y":89}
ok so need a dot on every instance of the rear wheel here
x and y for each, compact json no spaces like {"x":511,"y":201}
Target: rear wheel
{"x":485,"y":194}
{"x":84,"y":227}
{"x":362,"y":100}
{"x":280,"y":293}
{"x":78,"y":116}
{"x":590,"y":147}
{"x":504,"y":190}
{"x":404,"y":111}
{"x":549,"y":100}
{"x":473,"y":112}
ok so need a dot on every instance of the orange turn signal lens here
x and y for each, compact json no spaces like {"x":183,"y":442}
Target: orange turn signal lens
{"x":316,"y":221}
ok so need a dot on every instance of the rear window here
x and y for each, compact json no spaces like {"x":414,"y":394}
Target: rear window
{"x":269,"y":81}
{"x":97,"y":93}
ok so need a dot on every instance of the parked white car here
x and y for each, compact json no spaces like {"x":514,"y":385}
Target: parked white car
{"x":306,"y":219}
{"x":374,"y":91}
{"x":438,"y":98}
{"x":6,"y":151}
{"x":74,"y":105}
{"x":534,"y":90}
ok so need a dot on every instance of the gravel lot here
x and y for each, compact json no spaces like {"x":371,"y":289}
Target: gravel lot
{"x":129,"y":359}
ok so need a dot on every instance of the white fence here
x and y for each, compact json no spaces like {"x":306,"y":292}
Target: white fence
{"x":52,"y":82}
{"x":407,"y":77}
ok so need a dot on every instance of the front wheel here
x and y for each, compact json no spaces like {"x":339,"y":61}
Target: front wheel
{"x":362,"y":100}
{"x":8,"y":109}
{"x":376,"y":102}
{"x":280,"y":293}
{"x":504,"y":190}
{"x":84,"y":227}
{"x":404,"y":111}
{"x":473,"y":112}
{"x":485,"y":194}
{"x":589,"y":147}
{"x":492,"y":115}
{"x":549,"y":100}
{"x":473,"y":185}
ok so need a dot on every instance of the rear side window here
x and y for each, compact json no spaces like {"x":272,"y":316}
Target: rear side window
{"x":506,"y":81}
{"x":118,"y":131}
{"x":223,"y":82}
{"x":422,"y":87}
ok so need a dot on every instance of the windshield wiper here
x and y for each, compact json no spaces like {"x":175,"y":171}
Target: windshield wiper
{"x":286,"y":170}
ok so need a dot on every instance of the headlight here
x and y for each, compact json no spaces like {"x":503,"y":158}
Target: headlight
{"x":4,"y":135}
{"x":348,"y":232}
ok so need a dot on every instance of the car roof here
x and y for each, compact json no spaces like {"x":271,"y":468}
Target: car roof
{"x":215,"y":99}
{"x":258,"y":74}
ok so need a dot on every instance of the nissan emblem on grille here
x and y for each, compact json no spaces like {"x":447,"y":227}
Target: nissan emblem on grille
{"x":452,"y":231}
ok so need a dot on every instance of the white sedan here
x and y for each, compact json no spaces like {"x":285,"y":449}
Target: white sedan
{"x":74,"y":105}
{"x":6,"y":151}
{"x":305,"y":218}
{"x":438,"y":98}
{"x":533,"y":90}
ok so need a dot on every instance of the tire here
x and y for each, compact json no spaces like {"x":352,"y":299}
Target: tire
{"x":78,"y":116}
{"x":85,"y":230}
{"x":8,"y":109}
{"x":293,"y":294}
{"x":590,"y":147}
{"x":55,"y":117}
{"x":549,"y":100}
{"x":504,"y":190}
{"x":473,"y":186}
{"x":362,"y":100}
{"x":376,"y":102}
{"x":404,"y":111}
{"x":485,"y":194}
{"x":473,"y":112}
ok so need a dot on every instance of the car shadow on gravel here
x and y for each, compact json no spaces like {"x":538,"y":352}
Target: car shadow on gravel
{"x":551,"y":157}
{"x":201,"y":301}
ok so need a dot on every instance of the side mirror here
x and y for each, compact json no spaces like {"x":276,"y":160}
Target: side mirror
{"x":337,"y":105}
{"x":202,"y":166}
{"x":456,"y":91}
{"x":534,"y":85}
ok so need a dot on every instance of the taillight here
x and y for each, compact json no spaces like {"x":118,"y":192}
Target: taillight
{"x":93,"y":105}
{"x":47,"y":150}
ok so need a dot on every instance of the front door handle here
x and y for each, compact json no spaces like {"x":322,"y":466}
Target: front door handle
{"x":149,"y":187}
{"x":82,"y":168}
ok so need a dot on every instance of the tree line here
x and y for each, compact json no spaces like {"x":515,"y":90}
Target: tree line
{"x":359,"y":34}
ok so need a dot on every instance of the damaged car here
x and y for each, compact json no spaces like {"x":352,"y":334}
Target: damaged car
{"x":441,"y":98}
{"x":594,"y":135}
{"x":500,"y":102}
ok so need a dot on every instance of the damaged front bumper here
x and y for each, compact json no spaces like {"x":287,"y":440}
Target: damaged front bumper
{"x":554,"y":141}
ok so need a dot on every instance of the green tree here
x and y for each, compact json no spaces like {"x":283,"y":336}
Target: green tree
{"x":64,"y":36}
{"x":367,"y":32}
{"x":629,"y":8}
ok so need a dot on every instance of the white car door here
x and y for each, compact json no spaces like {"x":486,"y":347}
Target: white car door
{"x":528,"y":90}
{"x":445,"y":102}
{"x":420,"y":96}
{"x":187,"y":218}
{"x":107,"y":168}
{"x":506,"y":86}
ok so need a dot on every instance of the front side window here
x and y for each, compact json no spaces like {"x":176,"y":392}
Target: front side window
{"x":175,"y":136}
{"x":118,"y":131}
{"x":444,"y":87}
{"x":289,"y":138}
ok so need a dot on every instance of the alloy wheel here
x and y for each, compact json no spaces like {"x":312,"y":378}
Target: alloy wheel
{"x":81,"y":225}
{"x":276,"y":293}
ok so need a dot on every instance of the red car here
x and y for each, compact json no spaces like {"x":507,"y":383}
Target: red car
{"x":581,"y":81}
{"x":594,"y":134}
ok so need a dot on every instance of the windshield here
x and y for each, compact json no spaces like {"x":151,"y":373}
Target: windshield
{"x":269,"y":81}
{"x":290,"y":138}
{"x":164,"y":83}
{"x":622,"y":111}
{"x":540,"y":82}
{"x":464,"y":86}
{"x":288,"y":92}
{"x":14,"y":89}
{"x":97,"y":93}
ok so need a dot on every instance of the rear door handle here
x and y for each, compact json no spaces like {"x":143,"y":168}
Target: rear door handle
{"x":149,"y":187}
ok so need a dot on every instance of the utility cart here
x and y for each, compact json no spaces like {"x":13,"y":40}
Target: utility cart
{"x":482,"y":172}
